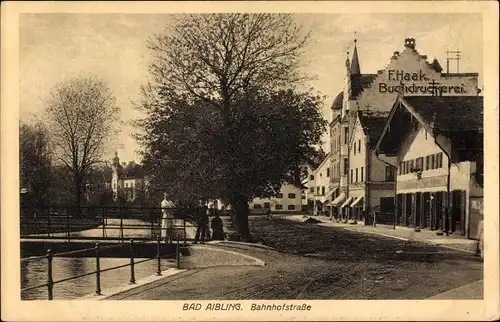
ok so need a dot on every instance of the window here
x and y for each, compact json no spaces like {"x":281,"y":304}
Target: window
{"x":303,"y":197}
{"x":322,"y":191}
{"x":440,"y":160}
{"x":126,"y":184}
{"x":279,"y":207}
{"x":291,"y":196}
{"x":356,"y":174}
{"x":311,"y":177}
{"x":354,"y":148}
{"x":359,"y":145}
{"x":433,"y":162}
{"x":420,"y":163}
{"x":311,"y":189}
{"x":346,"y":166}
{"x":267,"y":205}
{"x":389,"y":173}
{"x":279,"y":195}
{"x":427,"y":162}
{"x":346,"y":135}
{"x":362,"y":174}
{"x":291,"y":207}
{"x":257,"y":206}
{"x":328,"y":172}
{"x":351,"y":175}
{"x":410,"y":165}
{"x":317,"y":190}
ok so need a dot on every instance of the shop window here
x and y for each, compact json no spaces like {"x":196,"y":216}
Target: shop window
{"x":257,"y":206}
{"x":427,"y":162}
{"x":291,"y":207}
{"x":346,"y":166}
{"x":359,"y":145}
{"x":279,"y":207}
{"x":279,"y":195}
{"x":356,"y":174}
{"x":362,"y":174}
{"x":389,"y":173}
{"x":440,"y":160}
{"x":267,"y":205}
{"x":291,"y":196}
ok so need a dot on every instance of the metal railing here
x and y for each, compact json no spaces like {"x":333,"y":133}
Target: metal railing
{"x":56,"y":220}
{"x":97,"y":249}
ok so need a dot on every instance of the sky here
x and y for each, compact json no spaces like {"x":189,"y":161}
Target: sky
{"x":55,"y":47}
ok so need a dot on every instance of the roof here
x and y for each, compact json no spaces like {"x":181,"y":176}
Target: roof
{"x":355,"y":69}
{"x":373,"y":125}
{"x":361,"y":81}
{"x":338,"y":101}
{"x":459,"y":118}
{"x":449,"y":113}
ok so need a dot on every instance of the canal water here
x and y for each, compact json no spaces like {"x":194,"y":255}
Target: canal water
{"x":35,"y":273}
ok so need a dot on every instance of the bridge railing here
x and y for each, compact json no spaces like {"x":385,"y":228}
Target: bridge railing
{"x":97,"y":272}
{"x":52,"y":222}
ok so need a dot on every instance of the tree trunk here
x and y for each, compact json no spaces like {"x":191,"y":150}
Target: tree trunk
{"x":240,"y":220}
{"x":78,"y":196}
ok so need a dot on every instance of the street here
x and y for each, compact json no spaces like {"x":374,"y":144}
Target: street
{"x":317,"y":262}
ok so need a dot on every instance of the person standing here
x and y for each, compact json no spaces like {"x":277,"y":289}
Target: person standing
{"x":167,"y":227}
{"x":202,"y":221}
{"x":217,"y":228}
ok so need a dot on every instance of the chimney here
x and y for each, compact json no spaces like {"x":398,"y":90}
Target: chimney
{"x":410,"y":43}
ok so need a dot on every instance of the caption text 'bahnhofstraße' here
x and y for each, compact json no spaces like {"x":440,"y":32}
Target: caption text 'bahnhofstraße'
{"x":239,"y":307}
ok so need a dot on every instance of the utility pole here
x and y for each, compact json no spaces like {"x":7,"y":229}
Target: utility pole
{"x":448,"y":58}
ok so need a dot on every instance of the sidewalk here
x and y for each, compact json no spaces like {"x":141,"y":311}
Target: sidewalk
{"x":404,"y":233}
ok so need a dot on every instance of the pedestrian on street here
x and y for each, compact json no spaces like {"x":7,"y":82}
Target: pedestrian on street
{"x":202,"y":221}
{"x":167,"y":227}
{"x":217,"y":228}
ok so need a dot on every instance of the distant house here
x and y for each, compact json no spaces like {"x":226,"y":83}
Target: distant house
{"x":128,"y":179}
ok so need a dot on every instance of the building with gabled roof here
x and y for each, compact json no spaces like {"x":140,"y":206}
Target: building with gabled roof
{"x":436,"y":143}
{"x":128,"y":179}
{"x":408,"y":73}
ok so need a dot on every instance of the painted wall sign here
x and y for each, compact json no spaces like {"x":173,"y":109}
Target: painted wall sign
{"x":422,"y":183}
{"x":416,"y":83}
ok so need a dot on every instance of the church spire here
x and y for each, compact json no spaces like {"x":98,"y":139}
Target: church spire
{"x":355,"y":70}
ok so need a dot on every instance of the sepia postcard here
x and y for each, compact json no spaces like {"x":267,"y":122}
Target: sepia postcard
{"x":250,"y":161}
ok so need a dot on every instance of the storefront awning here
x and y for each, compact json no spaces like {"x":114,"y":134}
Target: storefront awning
{"x":338,"y":200}
{"x":357,"y":202}
{"x":330,"y":193}
{"x":347,"y":202}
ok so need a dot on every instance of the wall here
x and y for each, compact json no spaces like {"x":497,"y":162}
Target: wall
{"x":322,"y":179}
{"x":285,"y":201}
{"x":410,"y":61}
{"x":335,"y":159}
{"x":420,"y":144}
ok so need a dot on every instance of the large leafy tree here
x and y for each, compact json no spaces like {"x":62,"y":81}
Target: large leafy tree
{"x":81,"y":114}
{"x":224,"y":118}
{"x":35,"y":161}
